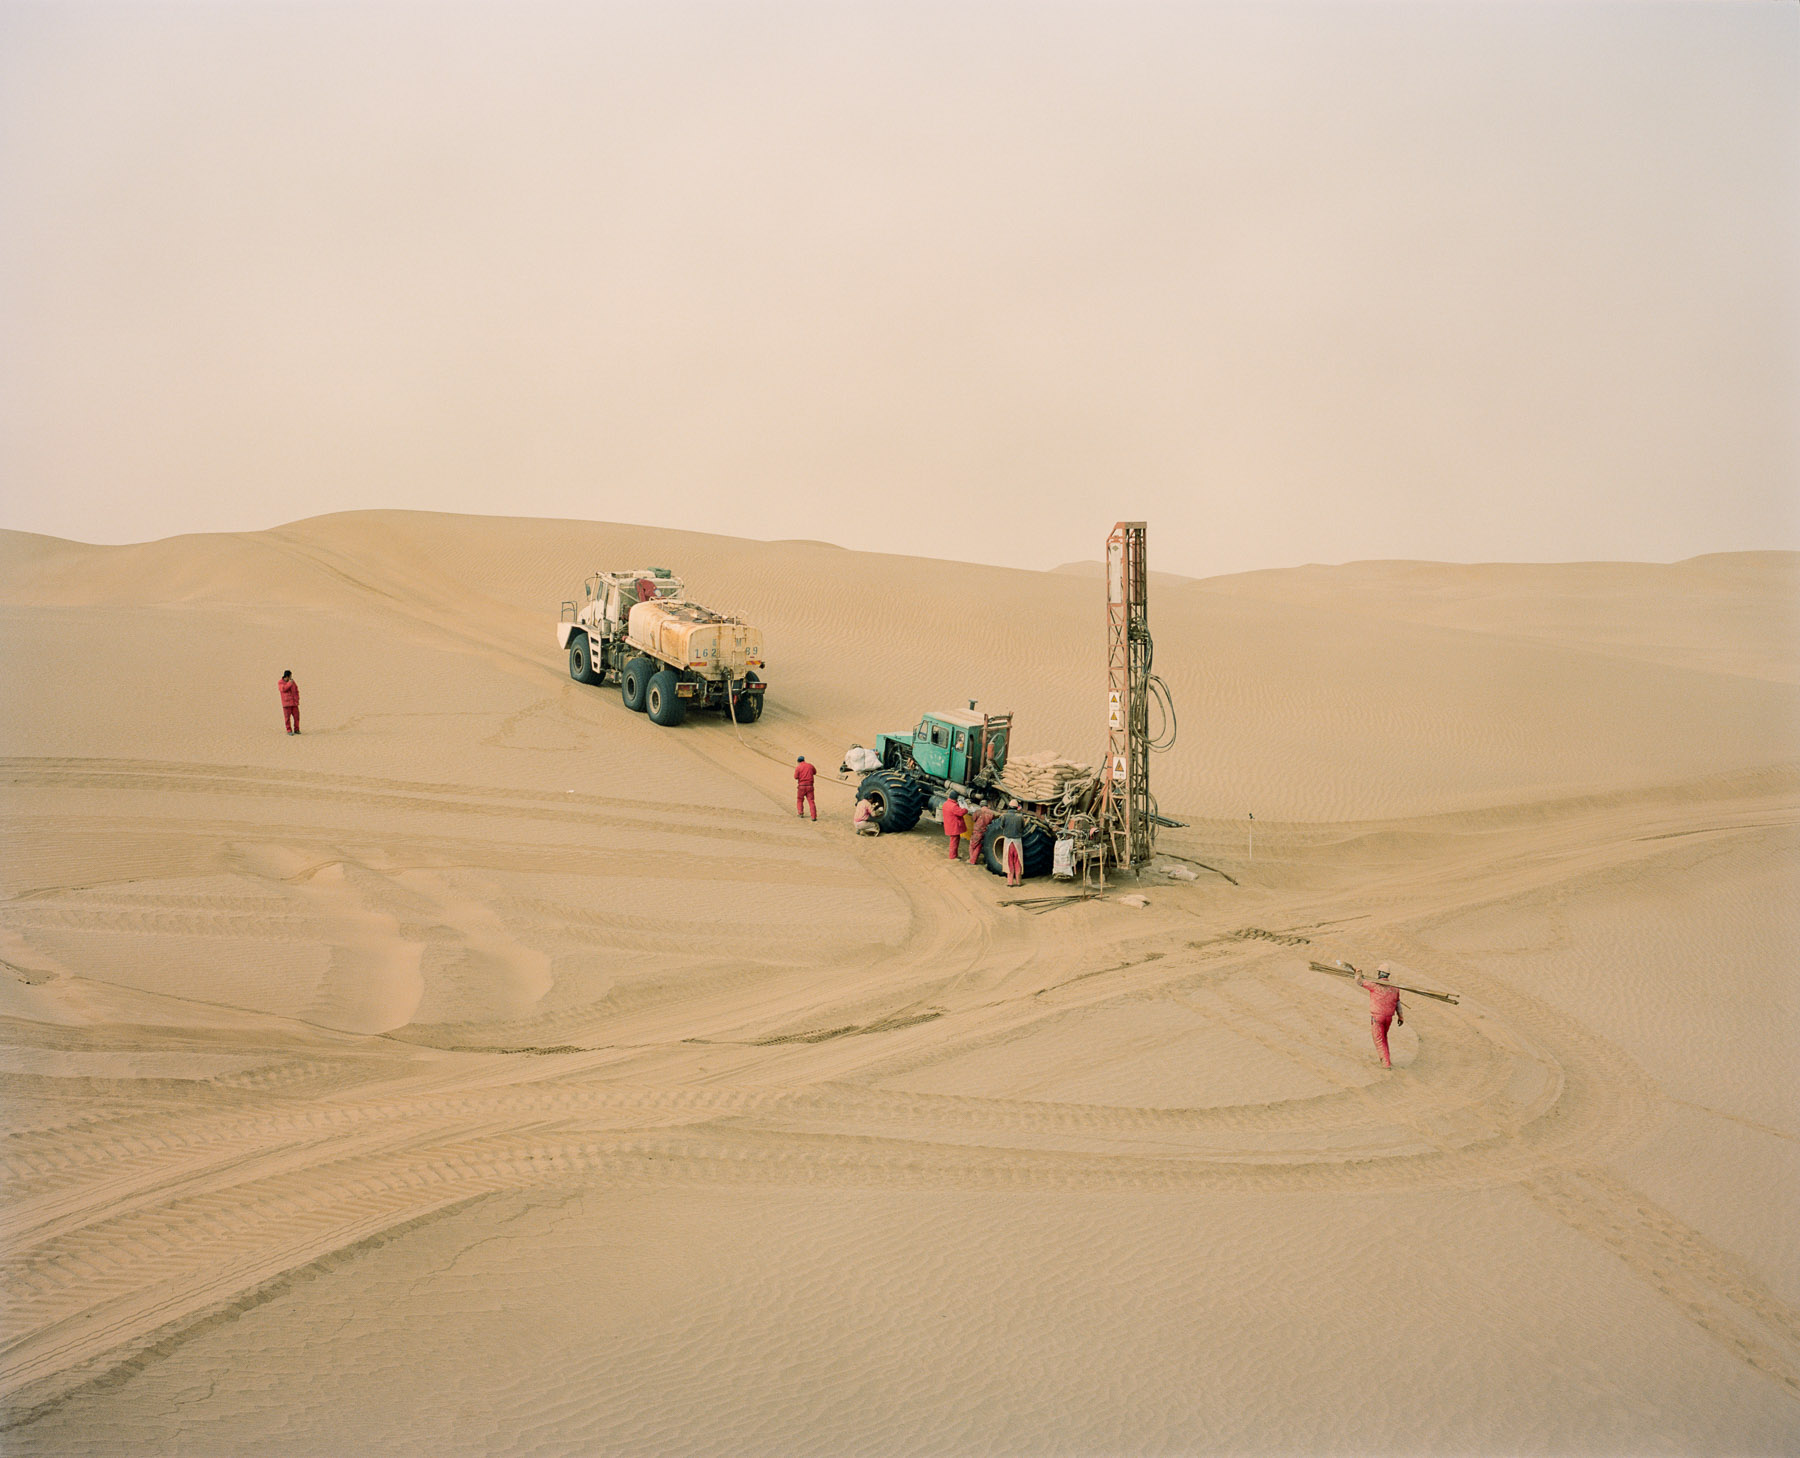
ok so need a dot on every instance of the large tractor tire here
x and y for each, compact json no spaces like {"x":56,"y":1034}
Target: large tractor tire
{"x":746,"y":708}
{"x":897,"y":800}
{"x":1040,"y":851}
{"x":634,"y":683}
{"x":662,"y":699}
{"x":582,"y":667}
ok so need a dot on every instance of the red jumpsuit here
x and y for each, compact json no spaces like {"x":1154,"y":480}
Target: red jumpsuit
{"x":979,"y":820}
{"x":290,"y":705}
{"x":803,"y":789}
{"x":1384,"y":1008}
{"x":955,"y":819}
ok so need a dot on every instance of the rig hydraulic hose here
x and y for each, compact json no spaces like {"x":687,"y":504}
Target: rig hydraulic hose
{"x":1164,"y":738}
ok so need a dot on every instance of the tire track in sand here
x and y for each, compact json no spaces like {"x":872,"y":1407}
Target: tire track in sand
{"x":130,"y":1236}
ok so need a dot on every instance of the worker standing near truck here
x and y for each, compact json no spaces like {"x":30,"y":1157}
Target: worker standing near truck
{"x":1012,"y":830}
{"x":1384,"y":1009}
{"x":956,"y":820}
{"x":979,"y":819}
{"x":290,"y":701}
{"x":803,"y":789}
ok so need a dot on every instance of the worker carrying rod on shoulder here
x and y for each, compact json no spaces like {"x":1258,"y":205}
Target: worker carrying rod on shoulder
{"x":1384,"y":1008}
{"x":803,"y":789}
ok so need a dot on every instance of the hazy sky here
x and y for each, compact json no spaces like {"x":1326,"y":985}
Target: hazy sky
{"x":1294,"y":282}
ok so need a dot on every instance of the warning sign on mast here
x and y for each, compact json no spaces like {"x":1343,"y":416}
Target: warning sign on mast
{"x":1115,"y":710}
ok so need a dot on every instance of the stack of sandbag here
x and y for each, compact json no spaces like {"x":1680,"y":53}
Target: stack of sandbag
{"x":1045,"y":775}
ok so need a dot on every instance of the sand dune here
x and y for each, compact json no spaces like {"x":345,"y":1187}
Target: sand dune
{"x":1734,"y":613}
{"x":490,"y":1070}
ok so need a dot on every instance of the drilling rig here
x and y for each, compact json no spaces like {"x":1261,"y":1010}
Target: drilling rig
{"x":1126,"y":813}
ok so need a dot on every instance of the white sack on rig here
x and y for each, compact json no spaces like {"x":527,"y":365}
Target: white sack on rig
{"x":1044,"y":775}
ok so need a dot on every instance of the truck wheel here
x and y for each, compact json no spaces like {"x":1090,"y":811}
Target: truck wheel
{"x":582,"y":667}
{"x":634,"y":684}
{"x":747,"y":708}
{"x":897,"y":800}
{"x":662,"y":700}
{"x":1040,"y":851}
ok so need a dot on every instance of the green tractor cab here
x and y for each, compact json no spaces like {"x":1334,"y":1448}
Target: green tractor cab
{"x":956,"y":746}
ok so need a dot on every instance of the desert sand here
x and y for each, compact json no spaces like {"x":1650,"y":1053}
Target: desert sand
{"x":487,"y":1070}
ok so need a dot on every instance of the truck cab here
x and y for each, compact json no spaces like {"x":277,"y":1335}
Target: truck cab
{"x":612,"y":595}
{"x":954,"y":745}
{"x":604,"y":613}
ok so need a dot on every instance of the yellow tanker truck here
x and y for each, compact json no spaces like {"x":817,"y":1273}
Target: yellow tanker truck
{"x":667,"y":654}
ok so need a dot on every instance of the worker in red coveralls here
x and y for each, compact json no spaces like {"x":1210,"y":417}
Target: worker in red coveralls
{"x":979,"y":819}
{"x":863,"y":818}
{"x":290,"y":702}
{"x":646,"y":589}
{"x":1011,"y":829}
{"x":956,"y":820}
{"x":803,"y":789}
{"x":1384,"y":1008}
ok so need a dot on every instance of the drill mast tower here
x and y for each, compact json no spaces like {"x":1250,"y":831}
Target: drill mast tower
{"x":1125,"y":806}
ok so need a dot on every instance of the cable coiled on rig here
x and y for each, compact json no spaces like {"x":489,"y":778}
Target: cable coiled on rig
{"x":1159,"y":695}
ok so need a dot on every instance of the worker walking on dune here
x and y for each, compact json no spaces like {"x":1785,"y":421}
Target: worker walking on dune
{"x":956,"y":820}
{"x":1384,"y":1008}
{"x":803,"y":789}
{"x":290,"y":702}
{"x":979,"y":819}
{"x":1011,"y":831}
